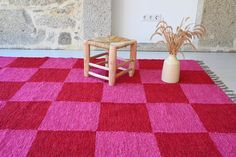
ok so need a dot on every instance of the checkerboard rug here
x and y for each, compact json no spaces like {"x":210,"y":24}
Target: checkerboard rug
{"x":47,"y":108}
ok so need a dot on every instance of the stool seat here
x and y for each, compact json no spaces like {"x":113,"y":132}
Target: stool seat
{"x":106,"y":42}
{"x":111,"y":44}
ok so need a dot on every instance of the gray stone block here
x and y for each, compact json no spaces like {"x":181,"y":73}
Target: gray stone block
{"x":55,"y":21}
{"x":16,"y":27}
{"x":96,"y":18}
{"x":35,"y":2}
{"x":64,"y":38}
{"x":219,"y":18}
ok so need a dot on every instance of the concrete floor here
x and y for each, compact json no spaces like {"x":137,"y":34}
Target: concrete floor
{"x":223,"y":64}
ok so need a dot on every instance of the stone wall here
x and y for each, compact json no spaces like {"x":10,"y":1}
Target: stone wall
{"x":219,"y":18}
{"x":63,"y":24}
{"x":52,"y":24}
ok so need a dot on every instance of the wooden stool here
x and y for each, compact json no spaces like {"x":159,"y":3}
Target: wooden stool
{"x":111,"y":44}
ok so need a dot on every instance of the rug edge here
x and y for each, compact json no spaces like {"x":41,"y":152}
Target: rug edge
{"x":230,"y":93}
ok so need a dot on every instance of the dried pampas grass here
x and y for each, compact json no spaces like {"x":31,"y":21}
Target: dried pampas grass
{"x":184,"y":35}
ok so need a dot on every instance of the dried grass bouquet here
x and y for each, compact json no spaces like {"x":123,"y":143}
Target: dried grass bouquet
{"x":184,"y":34}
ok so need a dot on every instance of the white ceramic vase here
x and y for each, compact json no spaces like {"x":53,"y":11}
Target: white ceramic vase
{"x":171,"y":69}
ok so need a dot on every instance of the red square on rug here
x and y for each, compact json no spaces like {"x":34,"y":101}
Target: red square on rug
{"x":151,"y":76}
{"x":83,"y":92}
{"x":126,"y":79}
{"x":79,"y":64}
{"x":124,"y":117}
{"x":50,"y":75}
{"x":217,"y":118}
{"x":151,"y":64}
{"x":23,"y":115}
{"x":184,"y":144}
{"x":195,"y":77}
{"x":28,"y":62}
{"x":156,"y":93}
{"x":71,"y":144}
{"x":8,"y":89}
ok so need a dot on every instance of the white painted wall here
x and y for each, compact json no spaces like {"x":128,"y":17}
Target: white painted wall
{"x":127,"y":15}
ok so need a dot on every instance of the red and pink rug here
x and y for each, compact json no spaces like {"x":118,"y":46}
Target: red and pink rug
{"x":47,"y":108}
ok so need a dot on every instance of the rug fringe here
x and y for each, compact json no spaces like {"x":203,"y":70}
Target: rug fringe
{"x":230,"y":93}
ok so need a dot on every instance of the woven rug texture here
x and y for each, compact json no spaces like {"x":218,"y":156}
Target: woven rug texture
{"x":48,"y":108}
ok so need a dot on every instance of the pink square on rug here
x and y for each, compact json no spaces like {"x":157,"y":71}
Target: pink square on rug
{"x":126,"y":144}
{"x":59,"y":63}
{"x":226,"y":143}
{"x":190,"y":65}
{"x":174,"y":118}
{"x":124,"y":93}
{"x":16,"y":143}
{"x":38,"y":91}
{"x":71,"y":116}
{"x":77,"y":75}
{"x":17,"y":74}
{"x":151,"y":76}
{"x":205,"y":94}
{"x":2,"y":104}
{"x":4,"y":61}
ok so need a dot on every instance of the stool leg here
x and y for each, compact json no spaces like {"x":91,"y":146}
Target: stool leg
{"x":107,"y":59}
{"x":86,"y":58}
{"x":112,"y":65}
{"x":133,"y":56}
